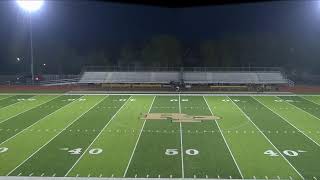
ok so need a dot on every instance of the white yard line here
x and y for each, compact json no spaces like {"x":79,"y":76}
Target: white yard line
{"x":2,"y":121}
{"x":56,"y":135}
{"x":267,"y":138}
{"x":6,"y":96}
{"x":309,"y":100}
{"x":135,"y":146}
{"x":224,"y":139}
{"x":181,"y":142}
{"x":84,"y":152}
{"x":303,"y":109}
{"x":285,"y":119}
{"x":13,"y":103}
{"x":33,"y":123}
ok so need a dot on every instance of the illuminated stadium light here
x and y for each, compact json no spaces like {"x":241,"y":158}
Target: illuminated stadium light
{"x":30,"y":5}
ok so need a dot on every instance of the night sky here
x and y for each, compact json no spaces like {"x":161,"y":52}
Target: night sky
{"x":92,"y":25}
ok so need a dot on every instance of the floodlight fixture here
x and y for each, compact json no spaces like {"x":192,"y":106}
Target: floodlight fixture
{"x":30,"y":5}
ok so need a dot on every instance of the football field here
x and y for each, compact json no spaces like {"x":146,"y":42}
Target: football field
{"x":256,"y":137}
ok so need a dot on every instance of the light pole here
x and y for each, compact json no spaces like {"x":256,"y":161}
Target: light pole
{"x":30,"y":6}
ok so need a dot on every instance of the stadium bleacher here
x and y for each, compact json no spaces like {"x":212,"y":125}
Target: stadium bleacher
{"x":273,"y":77}
{"x":129,"y":77}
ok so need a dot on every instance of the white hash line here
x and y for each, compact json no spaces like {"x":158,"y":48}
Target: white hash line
{"x":33,"y":123}
{"x":266,"y":138}
{"x":20,"y":102}
{"x":303,"y":109}
{"x":84,"y":152}
{"x":135,"y":146}
{"x":224,"y":139}
{"x":285,"y":119}
{"x":181,"y":142}
{"x":57,"y":135}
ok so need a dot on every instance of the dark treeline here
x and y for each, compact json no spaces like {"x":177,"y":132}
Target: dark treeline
{"x":242,"y":49}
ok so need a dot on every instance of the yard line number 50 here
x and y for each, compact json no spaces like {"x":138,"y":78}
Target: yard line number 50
{"x":172,"y":152}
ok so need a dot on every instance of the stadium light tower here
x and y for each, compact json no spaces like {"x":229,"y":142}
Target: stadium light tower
{"x":30,"y":6}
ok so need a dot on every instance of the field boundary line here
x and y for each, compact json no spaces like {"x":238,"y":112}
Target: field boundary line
{"x":305,"y":110}
{"x":135,"y":146}
{"x":2,"y":121}
{"x":266,"y":138}
{"x":34,"y":122}
{"x":57,"y":135}
{"x":84,"y":152}
{"x":195,"y":93}
{"x":285,"y":119}
{"x":181,"y":142}
{"x":225,"y":141}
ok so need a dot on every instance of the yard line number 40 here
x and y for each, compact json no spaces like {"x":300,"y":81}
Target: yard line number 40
{"x":290,"y":153}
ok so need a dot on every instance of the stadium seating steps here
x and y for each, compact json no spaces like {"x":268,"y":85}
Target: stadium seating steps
{"x":274,"y":77}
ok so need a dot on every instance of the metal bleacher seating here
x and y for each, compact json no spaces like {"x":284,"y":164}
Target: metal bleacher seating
{"x":129,"y":77}
{"x":272,"y":77}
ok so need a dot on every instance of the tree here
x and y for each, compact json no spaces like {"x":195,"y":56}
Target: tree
{"x":209,"y":53}
{"x":162,"y":50}
{"x":129,"y":55}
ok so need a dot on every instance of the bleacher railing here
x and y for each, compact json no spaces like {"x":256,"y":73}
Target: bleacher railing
{"x":170,"y":69}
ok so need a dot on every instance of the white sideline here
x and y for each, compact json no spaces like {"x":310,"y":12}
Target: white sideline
{"x":266,"y":138}
{"x":181,"y":142}
{"x":34,"y":122}
{"x":100,"y":178}
{"x":84,"y":152}
{"x":135,"y":146}
{"x":285,"y":119}
{"x":225,"y":141}
{"x":56,"y":136}
{"x":168,"y":94}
